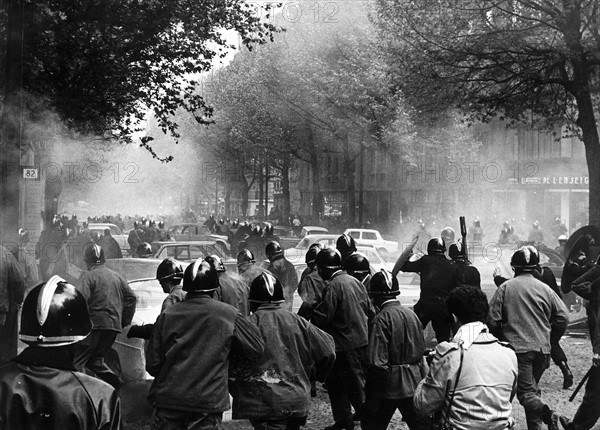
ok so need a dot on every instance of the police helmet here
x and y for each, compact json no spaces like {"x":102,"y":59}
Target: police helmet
{"x":525,"y":258}
{"x":436,"y":245}
{"x":215,"y":262}
{"x":273,"y":249}
{"x":562,"y":238}
{"x":93,"y":254}
{"x":245,"y":256}
{"x":266,"y":288}
{"x":329,"y":258}
{"x":311,"y":254}
{"x":200,"y":277}
{"x":384,"y":284}
{"x":169,"y":270}
{"x":346,"y":245}
{"x":454,"y":252}
{"x":54,"y":314}
{"x":448,"y":235}
{"x":143,"y":250}
{"x":357,"y":263}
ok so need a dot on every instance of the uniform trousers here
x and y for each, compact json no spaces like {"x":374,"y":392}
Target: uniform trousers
{"x":434,"y":310}
{"x":346,"y":385}
{"x":378,"y":413}
{"x":588,"y":412}
{"x":90,"y":353}
{"x":172,"y":419}
{"x":292,"y":423}
{"x":532,"y":366}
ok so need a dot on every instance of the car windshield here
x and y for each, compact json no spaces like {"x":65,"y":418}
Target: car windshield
{"x":304,"y":243}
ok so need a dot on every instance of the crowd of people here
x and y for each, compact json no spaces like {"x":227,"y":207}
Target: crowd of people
{"x":219,"y":334}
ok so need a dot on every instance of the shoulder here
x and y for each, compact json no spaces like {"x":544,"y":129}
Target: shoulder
{"x":446,"y":348}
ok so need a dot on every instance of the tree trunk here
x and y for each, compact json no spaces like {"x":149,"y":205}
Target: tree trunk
{"x":260,"y":189}
{"x":285,"y":186}
{"x":227,"y":189}
{"x":350,"y":186}
{"x":317,"y":195}
{"x":587,"y":122}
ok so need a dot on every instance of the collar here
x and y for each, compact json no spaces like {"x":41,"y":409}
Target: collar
{"x":336,"y":273}
{"x":467,"y":333}
{"x":176,"y":287}
{"x":60,"y":357}
{"x":390,"y":302}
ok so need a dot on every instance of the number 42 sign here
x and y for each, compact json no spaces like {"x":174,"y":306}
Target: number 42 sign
{"x":30,"y":173}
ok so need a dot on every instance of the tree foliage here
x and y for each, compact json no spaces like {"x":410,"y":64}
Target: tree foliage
{"x":521,"y":60}
{"x":103,"y":64}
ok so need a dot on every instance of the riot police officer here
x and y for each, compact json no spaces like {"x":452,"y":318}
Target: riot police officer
{"x":273,"y":392}
{"x":343,"y":313}
{"x":466,"y":274}
{"x":40,"y":388}
{"x":311,"y":286}
{"x":230,"y":289}
{"x":283,"y":270}
{"x":437,"y":279}
{"x":357,"y":265}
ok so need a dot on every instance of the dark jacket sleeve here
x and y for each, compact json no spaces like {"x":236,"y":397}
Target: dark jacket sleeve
{"x":323,"y":351}
{"x":412,"y":266}
{"x":582,"y":285}
{"x":129,"y":301}
{"x":324,"y":311}
{"x":154,"y":354}
{"x":247,"y":341}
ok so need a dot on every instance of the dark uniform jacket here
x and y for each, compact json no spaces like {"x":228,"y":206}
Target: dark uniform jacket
{"x":110,"y":246}
{"x":110,"y":299}
{"x":588,"y":287}
{"x":437,"y":276}
{"x":41,"y":390}
{"x":277,"y":385}
{"x":189,"y":353}
{"x":395,"y":352}
{"x":285,"y":271}
{"x":344,"y":312}
{"x":226,"y":292}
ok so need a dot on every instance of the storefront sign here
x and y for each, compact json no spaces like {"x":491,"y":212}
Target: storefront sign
{"x":556,"y":180}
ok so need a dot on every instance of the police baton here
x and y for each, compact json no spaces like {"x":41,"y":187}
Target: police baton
{"x":583,"y":381}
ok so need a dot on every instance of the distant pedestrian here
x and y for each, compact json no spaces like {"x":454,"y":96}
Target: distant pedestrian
{"x":111,"y":247}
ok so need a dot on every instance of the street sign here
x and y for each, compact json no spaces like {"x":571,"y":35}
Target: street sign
{"x":30,"y":173}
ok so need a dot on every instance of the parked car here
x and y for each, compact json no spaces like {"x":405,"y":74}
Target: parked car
{"x":189,"y":251}
{"x":192,"y":231}
{"x":296,"y":254}
{"x":308,"y":230}
{"x":287,"y":236}
{"x":373,"y":238}
{"x":115,"y":232}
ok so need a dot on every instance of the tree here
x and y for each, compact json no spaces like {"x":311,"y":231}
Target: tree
{"x":102,"y":65}
{"x":516,"y":59}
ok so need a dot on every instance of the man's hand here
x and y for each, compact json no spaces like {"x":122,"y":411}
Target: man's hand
{"x":496,"y":272}
{"x":596,"y":359}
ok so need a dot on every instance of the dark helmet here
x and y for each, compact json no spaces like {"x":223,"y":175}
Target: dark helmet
{"x":329,"y":258}
{"x":448,"y":235}
{"x":346,"y":245}
{"x":436,"y":246}
{"x":93,"y":254}
{"x":454,"y":252}
{"x":54,"y":314}
{"x":144,"y":250}
{"x":257,"y":231}
{"x":311,"y":254}
{"x":245,"y":256}
{"x":169,"y":270}
{"x":161,"y":224}
{"x":266,"y":288}
{"x":200,"y":277}
{"x":384,"y":284}
{"x":525,"y":258}
{"x":273,"y":249}
{"x":357,"y":263}
{"x":215,"y":262}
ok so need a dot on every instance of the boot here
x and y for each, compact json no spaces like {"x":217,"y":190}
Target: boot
{"x":566,"y":423}
{"x":567,"y":374}
{"x":551,"y":418}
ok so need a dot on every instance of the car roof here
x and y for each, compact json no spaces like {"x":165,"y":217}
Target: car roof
{"x":365,"y":230}
{"x":314,"y":227}
{"x":101,"y":224}
{"x":186,"y":242}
